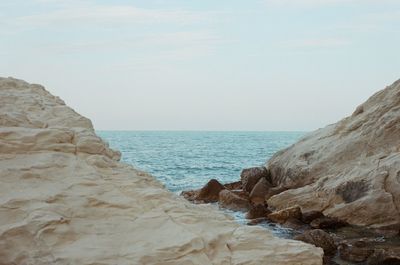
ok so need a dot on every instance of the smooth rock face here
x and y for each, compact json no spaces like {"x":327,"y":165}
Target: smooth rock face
{"x":65,"y":199}
{"x":349,"y":170}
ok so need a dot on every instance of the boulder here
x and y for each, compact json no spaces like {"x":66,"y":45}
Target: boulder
{"x":384,"y":257}
{"x":296,"y":224}
{"x":234,"y":185}
{"x":327,"y":223}
{"x":232,"y":201}
{"x":350,"y":169}
{"x":210,"y":192}
{"x":190,"y":195}
{"x":274,"y":191}
{"x":283,"y":215}
{"x":310,"y":216}
{"x":319,"y":238}
{"x":260,"y":190}
{"x":250,"y":176}
{"x":257,"y":211}
{"x":354,"y":252}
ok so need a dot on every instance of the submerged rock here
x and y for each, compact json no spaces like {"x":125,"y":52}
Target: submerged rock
{"x":349,"y":170}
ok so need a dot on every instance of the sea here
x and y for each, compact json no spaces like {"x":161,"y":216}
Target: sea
{"x":185,"y":160}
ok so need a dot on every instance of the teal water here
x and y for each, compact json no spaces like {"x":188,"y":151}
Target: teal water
{"x":187,"y":160}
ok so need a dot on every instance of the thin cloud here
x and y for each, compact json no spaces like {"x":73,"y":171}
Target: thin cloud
{"x":317,"y":43}
{"x":161,"y":42}
{"x":320,"y":3}
{"x":108,"y":14}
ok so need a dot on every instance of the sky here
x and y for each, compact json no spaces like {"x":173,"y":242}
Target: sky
{"x":273,"y":65}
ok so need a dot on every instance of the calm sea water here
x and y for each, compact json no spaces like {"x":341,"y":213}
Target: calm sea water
{"x":188,"y":160}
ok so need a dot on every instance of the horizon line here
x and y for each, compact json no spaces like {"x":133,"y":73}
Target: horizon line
{"x":164,"y":130}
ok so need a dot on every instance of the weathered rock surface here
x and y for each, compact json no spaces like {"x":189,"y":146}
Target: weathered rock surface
{"x":319,"y":238}
{"x":310,"y":216}
{"x":65,"y":199}
{"x":369,"y":252}
{"x":384,"y":257}
{"x":250,"y":176}
{"x":349,"y":170}
{"x":354,"y":253}
{"x":230,"y":200}
{"x":210,"y":192}
{"x":327,"y":223}
{"x":257,"y":211}
{"x":260,"y":190}
{"x":284,"y":215}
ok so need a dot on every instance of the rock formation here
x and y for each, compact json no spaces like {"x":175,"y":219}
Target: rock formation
{"x":65,"y":199}
{"x":349,"y":170}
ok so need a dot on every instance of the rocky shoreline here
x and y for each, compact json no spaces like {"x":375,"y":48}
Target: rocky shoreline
{"x":340,"y":241}
{"x":338,"y":187}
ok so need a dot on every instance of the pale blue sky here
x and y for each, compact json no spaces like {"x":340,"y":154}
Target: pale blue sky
{"x":204,"y":64}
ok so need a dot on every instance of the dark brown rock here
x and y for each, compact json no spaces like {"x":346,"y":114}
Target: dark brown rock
{"x":384,"y":257}
{"x":210,"y":192}
{"x":232,"y":201}
{"x":242,"y":194}
{"x":257,"y":195}
{"x":257,"y":211}
{"x":234,"y":185}
{"x":310,"y":216}
{"x":274,"y":191}
{"x":190,"y":195}
{"x":320,"y":239}
{"x":250,"y":177}
{"x":327,"y":223}
{"x":354,"y":252}
{"x":327,"y":260}
{"x":296,"y":224}
{"x":283,"y":215}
